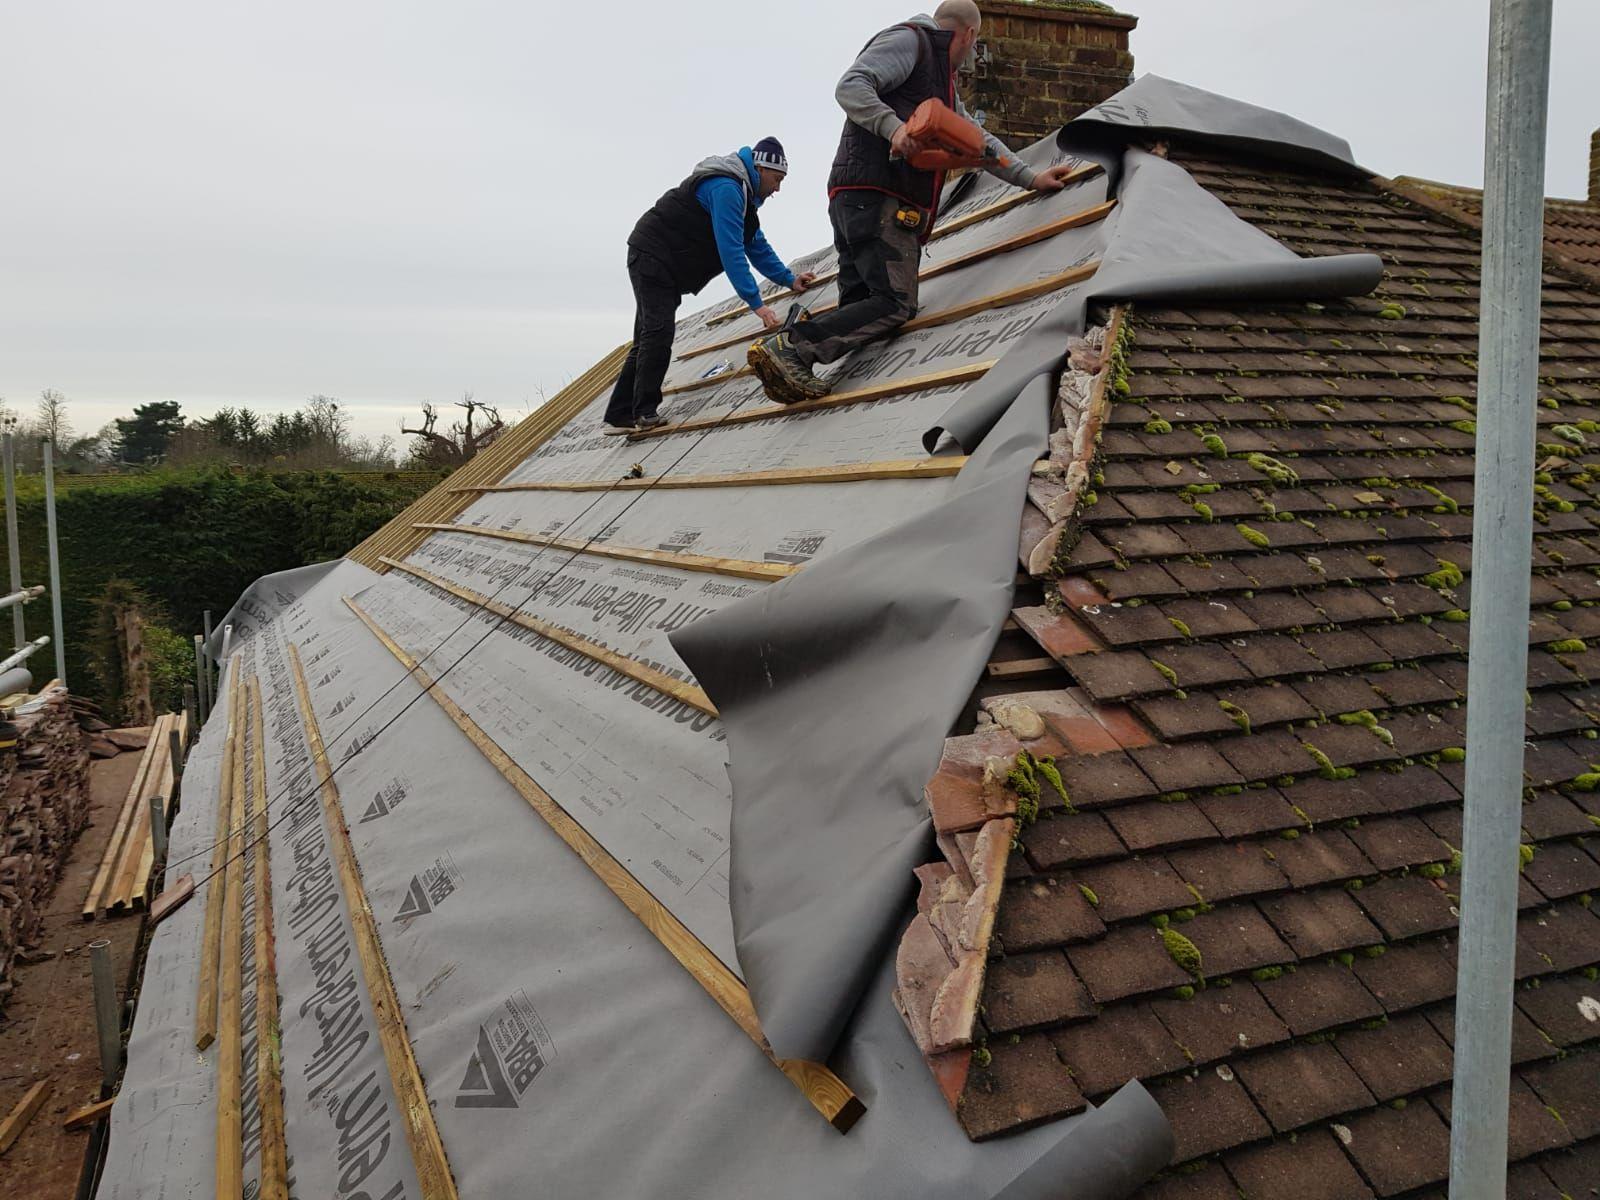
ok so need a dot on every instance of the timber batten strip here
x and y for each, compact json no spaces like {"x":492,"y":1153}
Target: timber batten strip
{"x":897,"y":468}
{"x":877,"y":391}
{"x":999,"y":208}
{"x":269,"y":1031}
{"x":422,"y":1132}
{"x":230,"y":987}
{"x":205,"y":1017}
{"x":738,"y":568}
{"x":17,"y":1119}
{"x":933,"y":272}
{"x":944,"y":316}
{"x":826,"y":1092}
{"x":659,"y":681}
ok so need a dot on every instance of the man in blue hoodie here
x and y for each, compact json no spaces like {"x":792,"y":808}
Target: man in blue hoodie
{"x":706,"y":226}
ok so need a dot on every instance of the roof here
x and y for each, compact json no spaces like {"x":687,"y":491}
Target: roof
{"x":1571,"y":227}
{"x":1254,"y":696}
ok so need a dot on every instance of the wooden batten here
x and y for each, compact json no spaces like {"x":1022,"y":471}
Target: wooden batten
{"x":826,"y":1092}
{"x":205,"y":1017}
{"x":998,"y":299}
{"x":230,"y":972}
{"x":95,"y":903}
{"x":878,"y":391}
{"x":422,"y":1132}
{"x":738,"y":568}
{"x":269,"y":1067}
{"x":87,"y":1115}
{"x":660,"y":681}
{"x":944,"y":230}
{"x":900,"y":468}
{"x":17,"y":1119}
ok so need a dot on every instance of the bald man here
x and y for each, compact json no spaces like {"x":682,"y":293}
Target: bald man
{"x":882,"y":208}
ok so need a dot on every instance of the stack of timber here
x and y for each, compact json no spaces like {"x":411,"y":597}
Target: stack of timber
{"x":44,"y":805}
{"x":123,"y":881}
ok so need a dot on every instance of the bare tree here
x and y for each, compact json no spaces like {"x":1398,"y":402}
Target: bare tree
{"x":482,"y":426}
{"x":50,"y":418}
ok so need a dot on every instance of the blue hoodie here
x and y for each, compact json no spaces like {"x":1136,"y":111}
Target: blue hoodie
{"x":724,"y":199}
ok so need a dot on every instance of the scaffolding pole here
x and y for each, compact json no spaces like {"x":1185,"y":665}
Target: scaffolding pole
{"x":55,"y":558}
{"x":19,"y":633}
{"x":1502,"y":537}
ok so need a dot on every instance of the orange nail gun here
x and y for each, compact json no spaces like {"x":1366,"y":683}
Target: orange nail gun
{"x":949,"y":142}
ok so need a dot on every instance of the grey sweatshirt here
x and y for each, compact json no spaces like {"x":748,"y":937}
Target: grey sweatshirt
{"x":884,"y":65}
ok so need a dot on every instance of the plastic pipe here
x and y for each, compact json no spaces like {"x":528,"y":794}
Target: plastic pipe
{"x":1502,"y":538}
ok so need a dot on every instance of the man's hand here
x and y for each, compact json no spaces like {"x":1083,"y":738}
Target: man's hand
{"x":769,"y":319}
{"x":804,"y":282}
{"x":1052,"y":180}
{"x":902,"y":144}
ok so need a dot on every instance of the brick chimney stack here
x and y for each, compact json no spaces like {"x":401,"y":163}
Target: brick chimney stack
{"x":1042,"y":62}
{"x":1594,"y":167}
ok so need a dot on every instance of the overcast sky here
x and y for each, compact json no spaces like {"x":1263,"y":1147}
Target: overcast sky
{"x":391,"y":201}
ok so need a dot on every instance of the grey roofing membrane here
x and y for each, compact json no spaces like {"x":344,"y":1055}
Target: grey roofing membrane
{"x":565,"y":1052}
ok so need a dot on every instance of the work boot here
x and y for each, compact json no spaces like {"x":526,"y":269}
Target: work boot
{"x":787,"y":377}
{"x":615,"y":430}
{"x":653,"y":421}
{"x":8,"y":736}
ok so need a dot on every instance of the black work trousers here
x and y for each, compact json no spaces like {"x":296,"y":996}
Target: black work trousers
{"x":638,"y":391}
{"x":878,"y":260}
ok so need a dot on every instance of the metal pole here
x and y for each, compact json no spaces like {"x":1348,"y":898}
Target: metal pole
{"x":25,"y":596}
{"x":158,"y":827}
{"x":200,"y":676}
{"x":55,"y":558}
{"x":1502,"y":537}
{"x":107,"y":1022}
{"x":22,"y":655}
{"x":191,"y":708}
{"x":13,"y":550}
{"x":205,"y":656}
{"x":175,"y":753}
